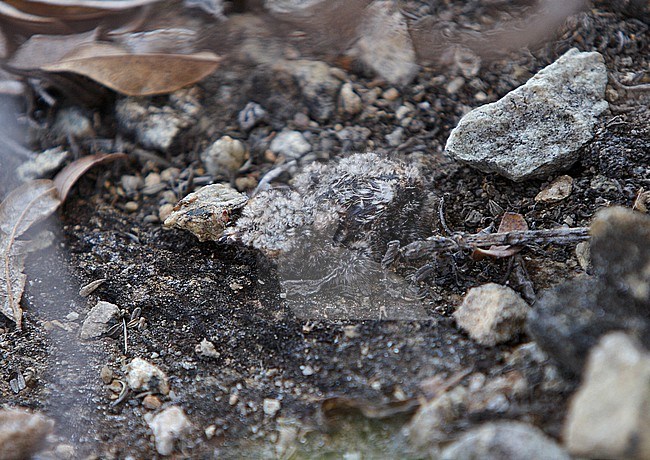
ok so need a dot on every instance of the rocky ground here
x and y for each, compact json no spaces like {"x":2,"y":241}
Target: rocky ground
{"x":289,"y":329}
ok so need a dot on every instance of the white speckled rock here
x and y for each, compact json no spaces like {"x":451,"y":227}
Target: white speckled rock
{"x":144,"y":376}
{"x":168,"y":426}
{"x":492,"y":314}
{"x":608,"y":416}
{"x":539,"y":127}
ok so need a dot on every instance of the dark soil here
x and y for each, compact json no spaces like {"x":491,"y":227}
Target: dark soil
{"x":229,"y":294}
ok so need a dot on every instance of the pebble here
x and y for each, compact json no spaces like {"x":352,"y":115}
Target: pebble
{"x":106,"y":374}
{"x":395,"y":138}
{"x":22,"y":434}
{"x":131,"y":206}
{"x":207,"y":349}
{"x":97,"y":322}
{"x":391,"y":94}
{"x":144,"y":376}
{"x":224,"y":157}
{"x":455,"y":85}
{"x":492,"y":314}
{"x":608,"y":415}
{"x":164,"y":211}
{"x":168,"y":426}
{"x":556,"y":191}
{"x":251,"y":115}
{"x":64,"y":452}
{"x":385,"y":44}
{"x":569,"y":319}
{"x":538,"y":128}
{"x":72,"y":316}
{"x":207,"y":212}
{"x":43,"y":164}
{"x":291,"y":144}
{"x":131,"y":184}
{"x":271,"y":406}
{"x":151,"y":402}
{"x":505,"y":440}
{"x":349,"y":101}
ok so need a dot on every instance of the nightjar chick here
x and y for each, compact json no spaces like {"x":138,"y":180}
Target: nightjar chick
{"x":328,"y":233}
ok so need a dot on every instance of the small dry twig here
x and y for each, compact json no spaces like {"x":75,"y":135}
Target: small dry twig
{"x":560,"y":236}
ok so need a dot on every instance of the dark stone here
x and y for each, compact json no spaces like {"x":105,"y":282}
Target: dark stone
{"x":569,"y":319}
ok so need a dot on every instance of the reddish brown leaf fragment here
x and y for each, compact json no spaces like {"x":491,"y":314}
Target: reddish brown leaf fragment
{"x":510,"y":222}
{"x":69,"y":175}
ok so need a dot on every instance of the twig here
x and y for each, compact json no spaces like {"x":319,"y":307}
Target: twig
{"x":561,"y":236}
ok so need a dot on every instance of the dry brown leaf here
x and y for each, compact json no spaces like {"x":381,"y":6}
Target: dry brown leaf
{"x":510,"y":222}
{"x":136,"y":74}
{"x":76,"y":10}
{"x":23,"y":207}
{"x":31,"y":22}
{"x":40,"y":50}
{"x":69,"y":175}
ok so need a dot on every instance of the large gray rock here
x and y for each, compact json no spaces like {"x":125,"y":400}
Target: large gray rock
{"x":501,"y":440}
{"x":568,"y":320}
{"x":539,"y":127}
{"x":608,"y":416}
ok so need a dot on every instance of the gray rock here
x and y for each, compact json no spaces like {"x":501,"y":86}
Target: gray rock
{"x":395,"y":138}
{"x":608,"y":416}
{"x":43,"y":164}
{"x":539,"y":127}
{"x":168,"y":426}
{"x":98,"y":320}
{"x":224,"y":157}
{"x":22,"y":433}
{"x":569,"y":319}
{"x":157,"y":127}
{"x":207,"y":211}
{"x":291,"y":144}
{"x":506,"y":439}
{"x":318,"y":86}
{"x":144,"y":376}
{"x":492,"y":314}
{"x":385,"y":45}
{"x":212,"y":7}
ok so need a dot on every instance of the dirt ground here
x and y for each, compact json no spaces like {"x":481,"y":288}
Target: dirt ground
{"x":226,"y":293}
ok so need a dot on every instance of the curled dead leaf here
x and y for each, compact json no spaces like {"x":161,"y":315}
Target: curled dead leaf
{"x":30,"y":203}
{"x":76,"y":10}
{"x":41,"y":50}
{"x":30,"y":22}
{"x":510,"y":222}
{"x":69,"y":175}
{"x":136,"y":74}
{"x":23,"y":207}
